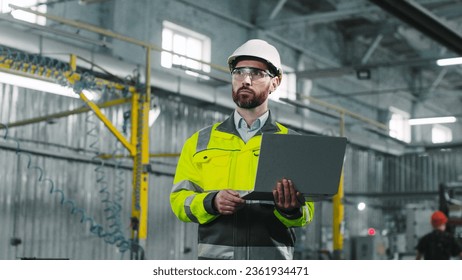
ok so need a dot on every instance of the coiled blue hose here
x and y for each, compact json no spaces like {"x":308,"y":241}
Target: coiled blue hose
{"x":112,"y":203}
{"x":115,"y":237}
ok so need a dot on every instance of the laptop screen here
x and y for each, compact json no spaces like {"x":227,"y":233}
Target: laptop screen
{"x":313,"y":163}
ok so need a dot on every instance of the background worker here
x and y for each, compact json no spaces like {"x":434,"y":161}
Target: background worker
{"x":219,"y":163}
{"x":438,"y":244}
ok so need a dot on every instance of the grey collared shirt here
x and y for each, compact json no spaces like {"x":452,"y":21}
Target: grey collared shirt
{"x":244,"y":130}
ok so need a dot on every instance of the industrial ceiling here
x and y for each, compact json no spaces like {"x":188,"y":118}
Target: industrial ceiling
{"x":414,"y":34}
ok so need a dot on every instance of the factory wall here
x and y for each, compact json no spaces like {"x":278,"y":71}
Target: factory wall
{"x":64,"y":154}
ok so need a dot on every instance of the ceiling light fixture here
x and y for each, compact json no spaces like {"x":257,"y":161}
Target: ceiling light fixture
{"x":40,"y":85}
{"x":437,"y":120}
{"x":449,"y":61}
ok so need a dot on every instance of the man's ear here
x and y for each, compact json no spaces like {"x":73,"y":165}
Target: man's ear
{"x":274,"y":84}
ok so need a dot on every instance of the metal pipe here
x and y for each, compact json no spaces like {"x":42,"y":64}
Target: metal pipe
{"x":220,"y":15}
{"x":277,"y":9}
{"x":66,"y":113}
{"x":340,"y":110}
{"x":311,"y":108}
{"x":55,"y":32}
{"x":372,"y":48}
{"x":159,"y":155}
{"x":323,"y":17}
{"x":109,"y":33}
{"x":82,"y":159}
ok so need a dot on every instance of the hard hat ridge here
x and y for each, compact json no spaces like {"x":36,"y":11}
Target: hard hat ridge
{"x":260,"y":49}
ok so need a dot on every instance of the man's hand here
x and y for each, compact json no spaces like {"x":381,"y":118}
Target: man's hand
{"x":227,"y":202}
{"x":286,"y":197}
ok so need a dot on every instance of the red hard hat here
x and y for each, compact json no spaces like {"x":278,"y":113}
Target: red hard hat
{"x":438,"y":219}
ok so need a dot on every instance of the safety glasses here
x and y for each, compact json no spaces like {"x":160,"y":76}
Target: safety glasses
{"x":256,"y":75}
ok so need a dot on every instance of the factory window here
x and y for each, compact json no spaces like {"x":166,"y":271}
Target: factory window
{"x":399,"y":125}
{"x":441,"y":134}
{"x":36,"y":5}
{"x":288,"y":87}
{"x":185,"y":44}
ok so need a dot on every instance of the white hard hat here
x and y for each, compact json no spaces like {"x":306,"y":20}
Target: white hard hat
{"x":259,"y":49}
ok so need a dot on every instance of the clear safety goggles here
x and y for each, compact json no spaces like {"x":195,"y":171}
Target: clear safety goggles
{"x":255,"y":74}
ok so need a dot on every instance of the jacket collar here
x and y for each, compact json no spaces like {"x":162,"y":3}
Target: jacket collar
{"x":228,"y":126}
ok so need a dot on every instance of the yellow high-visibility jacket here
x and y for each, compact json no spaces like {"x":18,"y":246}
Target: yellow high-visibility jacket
{"x":216,"y":158}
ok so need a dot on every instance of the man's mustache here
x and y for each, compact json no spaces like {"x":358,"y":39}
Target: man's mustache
{"x":245,"y":89}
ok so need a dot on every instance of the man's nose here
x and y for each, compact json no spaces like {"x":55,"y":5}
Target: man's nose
{"x":247,"y":80}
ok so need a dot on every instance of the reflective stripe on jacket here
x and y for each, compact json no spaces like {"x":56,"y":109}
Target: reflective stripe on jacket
{"x":216,"y":158}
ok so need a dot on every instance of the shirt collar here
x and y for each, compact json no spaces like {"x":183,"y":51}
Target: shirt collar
{"x":240,"y":123}
{"x":228,"y":125}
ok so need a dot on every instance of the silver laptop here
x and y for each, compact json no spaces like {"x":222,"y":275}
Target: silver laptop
{"x":313,"y":163}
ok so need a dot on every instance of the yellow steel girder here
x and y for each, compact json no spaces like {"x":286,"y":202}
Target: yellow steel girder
{"x":138,"y":146}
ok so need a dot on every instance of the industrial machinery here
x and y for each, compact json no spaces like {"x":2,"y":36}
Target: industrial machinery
{"x":450,"y":202}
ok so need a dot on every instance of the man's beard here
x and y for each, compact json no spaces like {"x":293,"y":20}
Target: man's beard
{"x":249,"y":100}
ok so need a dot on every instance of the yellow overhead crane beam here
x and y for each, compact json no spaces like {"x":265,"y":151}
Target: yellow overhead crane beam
{"x":40,"y":72}
{"x":139,"y":143}
{"x":139,"y":137}
{"x":137,"y":146}
{"x":80,"y":110}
